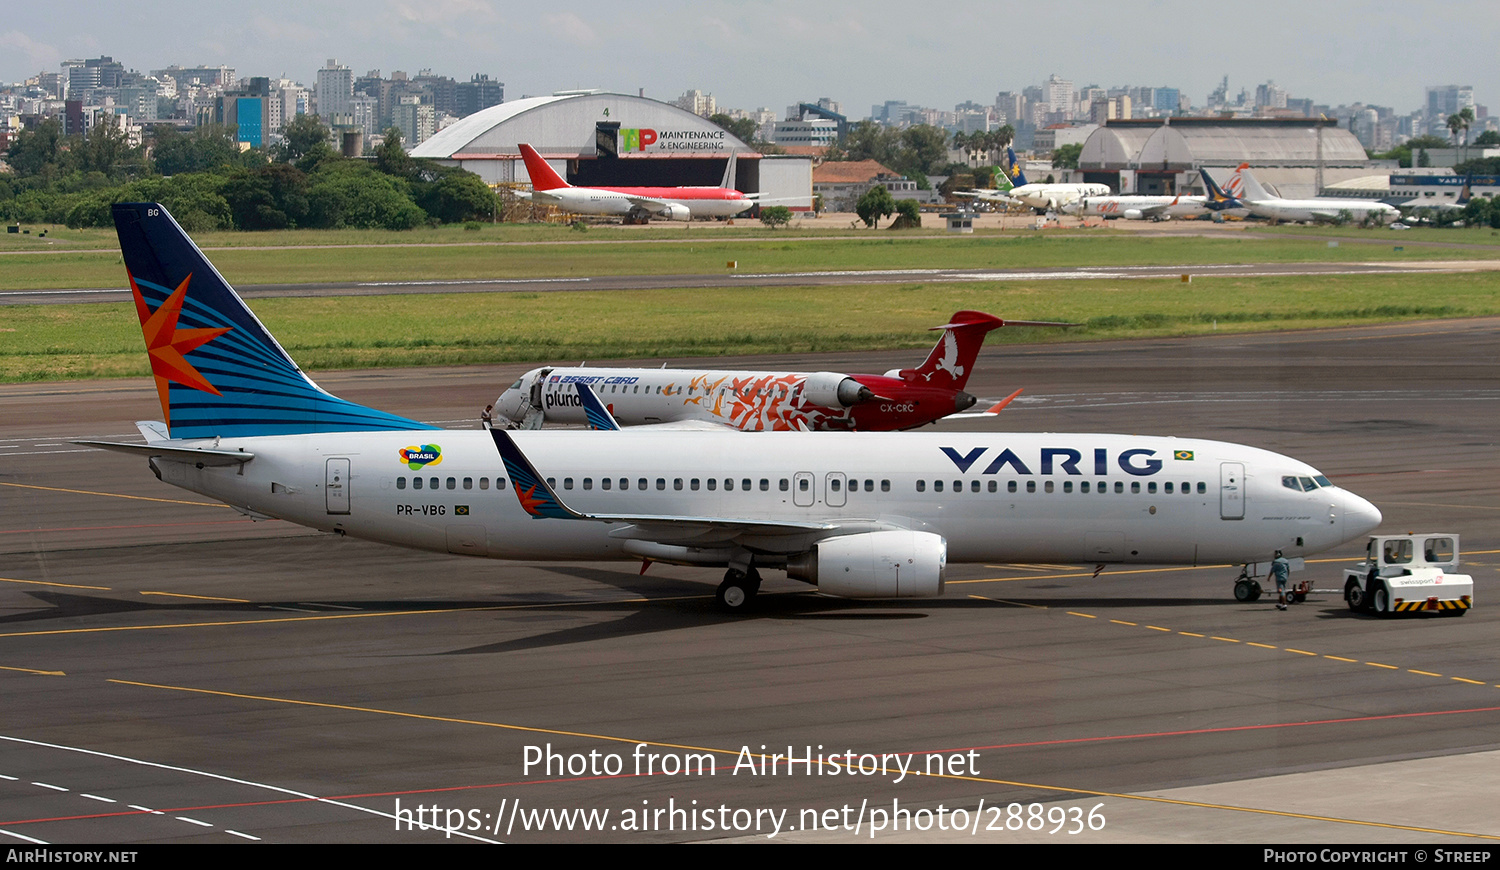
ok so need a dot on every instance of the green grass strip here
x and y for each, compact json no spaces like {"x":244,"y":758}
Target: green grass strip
{"x":50,"y":342}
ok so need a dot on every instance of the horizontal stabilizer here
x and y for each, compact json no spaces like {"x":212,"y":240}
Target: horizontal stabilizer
{"x":196,"y":455}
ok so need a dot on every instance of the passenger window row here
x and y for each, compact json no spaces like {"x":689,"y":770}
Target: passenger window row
{"x":1083,"y":486}
{"x":746,"y":484}
{"x":710,"y":484}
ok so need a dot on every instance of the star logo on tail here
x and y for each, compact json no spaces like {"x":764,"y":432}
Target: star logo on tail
{"x":167,"y":345}
{"x":529,"y":501}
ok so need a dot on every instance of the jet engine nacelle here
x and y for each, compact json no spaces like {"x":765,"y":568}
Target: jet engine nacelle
{"x":676,"y":211}
{"x":1133,"y":214}
{"x":833,"y":390}
{"x":892,"y":564}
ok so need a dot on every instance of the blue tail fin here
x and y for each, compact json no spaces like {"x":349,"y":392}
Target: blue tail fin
{"x":1217,"y":199}
{"x":218,"y":370}
{"x":1013,"y":168}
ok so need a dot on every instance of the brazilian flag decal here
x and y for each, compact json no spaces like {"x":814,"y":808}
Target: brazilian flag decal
{"x":1183,"y":454}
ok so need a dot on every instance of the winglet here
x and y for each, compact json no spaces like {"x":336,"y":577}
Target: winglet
{"x":536,"y":497}
{"x":1000,"y":405}
{"x":543,"y":176}
{"x":599,"y":416}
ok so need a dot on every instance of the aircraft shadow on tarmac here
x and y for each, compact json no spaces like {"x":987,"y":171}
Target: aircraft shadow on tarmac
{"x":657,"y":605}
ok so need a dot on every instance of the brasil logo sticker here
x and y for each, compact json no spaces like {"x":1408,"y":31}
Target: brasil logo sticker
{"x":418,"y":457}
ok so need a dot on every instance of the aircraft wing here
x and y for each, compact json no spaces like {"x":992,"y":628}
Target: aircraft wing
{"x":647,"y":202}
{"x":539,"y":500}
{"x":987,"y":195}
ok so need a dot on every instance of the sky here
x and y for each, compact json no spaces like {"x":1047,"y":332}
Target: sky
{"x":775,"y":53}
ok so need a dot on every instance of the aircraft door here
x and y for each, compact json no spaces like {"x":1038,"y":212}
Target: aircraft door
{"x":1231,"y":491}
{"x":535,"y":415}
{"x":833,"y":489}
{"x":536,"y":387}
{"x":336,"y":486}
{"x":804,"y":489}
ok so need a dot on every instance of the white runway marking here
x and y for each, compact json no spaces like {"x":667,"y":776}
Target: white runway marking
{"x":218,"y":776}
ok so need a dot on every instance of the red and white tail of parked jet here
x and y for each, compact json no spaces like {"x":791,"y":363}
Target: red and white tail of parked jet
{"x":633,"y":203}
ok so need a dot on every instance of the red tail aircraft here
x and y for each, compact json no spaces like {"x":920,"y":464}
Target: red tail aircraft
{"x":764,"y":400}
{"x":633,"y":203}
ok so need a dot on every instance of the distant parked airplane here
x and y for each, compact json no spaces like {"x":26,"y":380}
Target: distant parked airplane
{"x":633,"y":203}
{"x":1318,"y":210}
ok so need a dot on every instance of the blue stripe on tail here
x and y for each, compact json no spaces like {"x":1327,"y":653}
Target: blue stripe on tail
{"x":260,"y":390}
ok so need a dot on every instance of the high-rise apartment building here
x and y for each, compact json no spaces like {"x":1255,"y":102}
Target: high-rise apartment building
{"x":478,"y":93}
{"x":334,"y":88}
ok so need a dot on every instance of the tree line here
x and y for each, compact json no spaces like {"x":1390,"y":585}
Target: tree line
{"x":207,"y":182}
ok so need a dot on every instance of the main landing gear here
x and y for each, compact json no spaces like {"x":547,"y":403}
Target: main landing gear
{"x":738,"y":590}
{"x":1246,"y":588}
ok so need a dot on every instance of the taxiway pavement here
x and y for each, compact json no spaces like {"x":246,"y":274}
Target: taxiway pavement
{"x":173,"y":672}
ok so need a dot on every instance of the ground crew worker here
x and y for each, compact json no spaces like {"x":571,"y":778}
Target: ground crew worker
{"x":487,"y":417}
{"x":1281,"y":571}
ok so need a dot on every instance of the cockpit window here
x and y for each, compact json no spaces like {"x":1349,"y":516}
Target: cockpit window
{"x":516,"y":385}
{"x":1323,"y":481}
{"x":1307,"y":484}
{"x":1291,"y":482}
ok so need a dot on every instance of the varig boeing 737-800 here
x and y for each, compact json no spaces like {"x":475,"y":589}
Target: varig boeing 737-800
{"x":861,"y":515}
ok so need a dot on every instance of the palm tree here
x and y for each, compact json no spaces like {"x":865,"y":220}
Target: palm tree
{"x":1463,"y":119}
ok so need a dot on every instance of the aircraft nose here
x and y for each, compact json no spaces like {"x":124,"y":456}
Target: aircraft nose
{"x":1360,"y":517}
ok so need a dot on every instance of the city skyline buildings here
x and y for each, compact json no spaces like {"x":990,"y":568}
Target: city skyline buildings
{"x":1314,"y":52}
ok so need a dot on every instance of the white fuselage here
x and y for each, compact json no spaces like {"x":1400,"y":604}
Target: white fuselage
{"x":758,"y":401}
{"x":1055,"y":196}
{"x":992,"y":496}
{"x":1139,"y":207}
{"x":1320,"y":210}
{"x":593,"y":200}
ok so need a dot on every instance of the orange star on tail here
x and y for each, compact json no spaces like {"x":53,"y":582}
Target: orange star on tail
{"x":166,"y":344}
{"x":529,"y":502}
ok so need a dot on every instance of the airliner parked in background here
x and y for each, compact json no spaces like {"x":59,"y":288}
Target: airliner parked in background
{"x":861,"y":515}
{"x":1139,"y":207}
{"x":1319,"y":210}
{"x":1042,"y":197}
{"x":633,"y":203}
{"x":765,"y":401}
